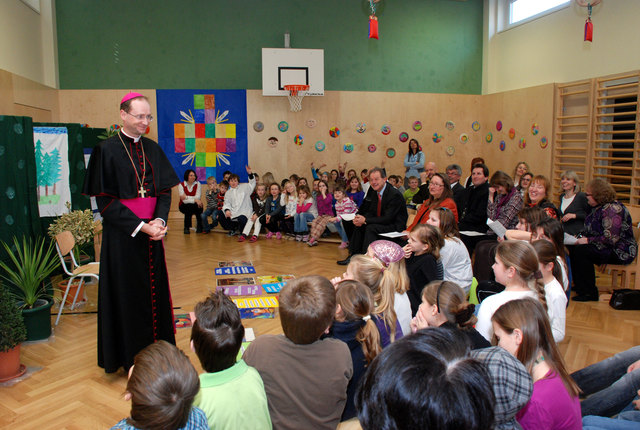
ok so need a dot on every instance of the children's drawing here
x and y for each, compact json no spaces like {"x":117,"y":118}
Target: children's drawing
{"x":51,"y":146}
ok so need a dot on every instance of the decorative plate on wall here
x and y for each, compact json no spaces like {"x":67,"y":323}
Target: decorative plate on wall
{"x":512,"y":133}
{"x":522,"y":144}
{"x":320,"y":146}
{"x":475,"y":125}
{"x":404,"y":136}
{"x":372,"y":148}
{"x":391,"y":153}
{"x":450,"y":150}
{"x":283,"y":126}
{"x":543,"y":142}
{"x":535,"y":129}
{"x":417,"y":126}
{"x":348,"y":148}
{"x":450,"y":125}
{"x":385,"y":130}
{"x":273,"y":141}
{"x":361,"y":127}
{"x":334,"y":132}
{"x":311,"y":122}
{"x":298,"y":140}
{"x":464,"y":138}
{"x":499,"y":125}
{"x":488,"y":137}
{"x":437,"y":137}
{"x":258,"y":126}
{"x":503,"y":145}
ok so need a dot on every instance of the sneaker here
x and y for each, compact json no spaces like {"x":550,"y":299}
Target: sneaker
{"x":312,"y":242}
{"x":298,"y":237}
{"x":278,"y":235}
{"x":253,"y":239}
{"x":305,"y":238}
{"x":344,"y":245}
{"x":186,"y":231}
{"x":242,"y":238}
{"x":232,"y":232}
{"x":269,"y":235}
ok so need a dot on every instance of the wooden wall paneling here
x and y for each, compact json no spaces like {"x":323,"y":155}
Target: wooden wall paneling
{"x":520,"y":110}
{"x":6,"y":89}
{"x":32,"y":97}
{"x":100,"y":108}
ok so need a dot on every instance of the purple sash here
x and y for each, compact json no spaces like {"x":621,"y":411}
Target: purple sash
{"x":142,"y":207}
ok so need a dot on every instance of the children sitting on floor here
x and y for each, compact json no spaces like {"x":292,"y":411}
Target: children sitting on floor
{"x":237,"y":204}
{"x":162,"y":385}
{"x":305,"y":378}
{"x":231,"y":393}
{"x":343,"y":206}
{"x":258,"y":202}
{"x":211,"y":196}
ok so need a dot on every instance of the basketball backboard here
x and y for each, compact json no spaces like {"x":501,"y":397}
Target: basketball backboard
{"x":284,"y":66}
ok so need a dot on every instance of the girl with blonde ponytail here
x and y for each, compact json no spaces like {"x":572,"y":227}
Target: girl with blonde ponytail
{"x":355,"y":326}
{"x":516,"y":267}
{"x":382,"y":283}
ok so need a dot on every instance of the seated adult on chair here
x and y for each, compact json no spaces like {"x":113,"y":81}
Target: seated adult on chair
{"x":474,"y":214}
{"x":383,"y":210}
{"x":190,"y":203}
{"x":607,"y":238}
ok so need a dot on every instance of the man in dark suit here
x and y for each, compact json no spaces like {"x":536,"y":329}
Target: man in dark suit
{"x":383,"y":210}
{"x":454,"y":172}
{"x":474,"y":214}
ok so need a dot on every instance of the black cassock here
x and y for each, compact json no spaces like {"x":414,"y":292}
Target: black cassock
{"x":134,"y":301}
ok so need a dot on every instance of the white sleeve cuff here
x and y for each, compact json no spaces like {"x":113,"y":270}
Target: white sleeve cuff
{"x":135,"y":232}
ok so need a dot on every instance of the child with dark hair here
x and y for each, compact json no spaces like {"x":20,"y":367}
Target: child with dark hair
{"x":305,"y":377}
{"x":162,"y":385}
{"x":229,"y":385}
{"x":422,"y":255}
{"x":355,"y":327}
{"x":444,"y":304}
{"x":237,"y":207}
{"x":426,"y":381}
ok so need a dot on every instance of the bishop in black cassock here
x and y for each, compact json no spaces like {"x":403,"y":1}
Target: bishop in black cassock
{"x":134,"y":301}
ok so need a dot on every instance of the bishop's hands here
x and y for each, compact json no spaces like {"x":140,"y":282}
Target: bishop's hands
{"x":155,"y":229}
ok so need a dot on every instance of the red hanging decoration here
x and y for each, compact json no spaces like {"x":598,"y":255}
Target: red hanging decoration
{"x":373,"y":27}
{"x":588,"y":31}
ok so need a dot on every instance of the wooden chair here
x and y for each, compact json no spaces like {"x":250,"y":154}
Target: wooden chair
{"x":633,"y":269}
{"x":64,"y":245}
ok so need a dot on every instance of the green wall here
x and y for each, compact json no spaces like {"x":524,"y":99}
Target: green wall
{"x":430,"y":46}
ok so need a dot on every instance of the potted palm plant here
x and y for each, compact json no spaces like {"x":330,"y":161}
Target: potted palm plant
{"x":31,"y":263}
{"x":12,"y":334}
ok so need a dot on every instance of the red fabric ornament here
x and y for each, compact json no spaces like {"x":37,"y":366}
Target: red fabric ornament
{"x":373,"y":27}
{"x":588,"y":30}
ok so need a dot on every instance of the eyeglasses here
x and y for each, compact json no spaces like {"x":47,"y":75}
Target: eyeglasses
{"x":141,"y":117}
{"x":436,"y":185}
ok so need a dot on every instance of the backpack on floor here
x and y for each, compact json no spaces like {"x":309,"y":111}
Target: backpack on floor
{"x":625,"y":300}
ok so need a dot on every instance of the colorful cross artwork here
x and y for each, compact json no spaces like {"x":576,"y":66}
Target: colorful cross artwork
{"x":208,"y":135}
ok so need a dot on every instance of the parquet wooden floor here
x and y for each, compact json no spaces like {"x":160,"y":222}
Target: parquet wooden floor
{"x":71,"y":392}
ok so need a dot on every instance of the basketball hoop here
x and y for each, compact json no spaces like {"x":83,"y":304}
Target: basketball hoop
{"x":295,"y":96}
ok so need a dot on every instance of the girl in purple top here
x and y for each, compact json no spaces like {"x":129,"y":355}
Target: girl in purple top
{"x":522,"y":328}
{"x":354,"y":191}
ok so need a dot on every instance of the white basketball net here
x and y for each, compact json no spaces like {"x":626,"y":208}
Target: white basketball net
{"x":295,"y":99}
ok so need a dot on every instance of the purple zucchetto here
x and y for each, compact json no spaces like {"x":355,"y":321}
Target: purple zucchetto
{"x":387,"y":251}
{"x":130,"y":96}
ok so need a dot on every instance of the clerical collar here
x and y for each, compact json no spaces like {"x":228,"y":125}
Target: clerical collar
{"x":135,"y":139}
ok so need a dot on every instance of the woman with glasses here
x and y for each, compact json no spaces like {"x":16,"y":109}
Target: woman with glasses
{"x":607,"y":238}
{"x":440,"y":195}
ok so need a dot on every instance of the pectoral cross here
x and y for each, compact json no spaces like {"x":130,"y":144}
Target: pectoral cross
{"x":142,"y":191}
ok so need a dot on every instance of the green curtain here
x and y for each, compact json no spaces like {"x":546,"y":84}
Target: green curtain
{"x":18,"y":207}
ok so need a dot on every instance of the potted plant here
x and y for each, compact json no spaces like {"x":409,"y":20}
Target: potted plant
{"x":31,"y":263}
{"x":12,"y":334}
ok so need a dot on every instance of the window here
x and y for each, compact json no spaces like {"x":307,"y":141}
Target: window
{"x":523,"y":9}
{"x":512,"y":13}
